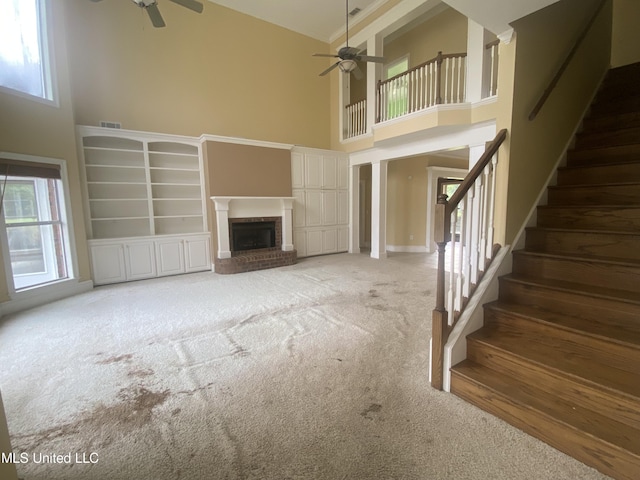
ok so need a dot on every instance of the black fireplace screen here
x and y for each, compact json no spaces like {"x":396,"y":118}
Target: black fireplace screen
{"x":253,"y":235}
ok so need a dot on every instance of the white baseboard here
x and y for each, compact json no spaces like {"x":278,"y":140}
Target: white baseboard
{"x":45,"y":294}
{"x":407,"y":248}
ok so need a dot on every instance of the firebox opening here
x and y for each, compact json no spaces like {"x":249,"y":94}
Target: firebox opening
{"x":253,"y":235}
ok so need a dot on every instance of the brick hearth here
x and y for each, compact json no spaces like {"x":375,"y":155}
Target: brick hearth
{"x":259,"y":259}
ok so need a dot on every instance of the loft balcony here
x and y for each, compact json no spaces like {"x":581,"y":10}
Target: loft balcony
{"x":442,"y":80}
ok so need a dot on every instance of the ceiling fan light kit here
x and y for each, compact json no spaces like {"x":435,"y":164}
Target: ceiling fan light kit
{"x":347,"y":66}
{"x":151,"y":6}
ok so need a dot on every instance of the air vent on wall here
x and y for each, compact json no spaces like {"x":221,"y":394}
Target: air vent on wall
{"x":110,"y":124}
{"x":355,"y":11}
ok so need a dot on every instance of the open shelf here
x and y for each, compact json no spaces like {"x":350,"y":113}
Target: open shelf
{"x":141,"y":186}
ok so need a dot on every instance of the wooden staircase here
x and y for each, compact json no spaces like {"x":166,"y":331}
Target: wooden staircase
{"x":559,"y":353}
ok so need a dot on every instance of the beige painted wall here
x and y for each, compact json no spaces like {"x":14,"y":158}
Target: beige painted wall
{"x":407,"y":182}
{"x":446,"y":32}
{"x":625,"y":44}
{"x":221,"y":73}
{"x":34,"y":128}
{"x":542,"y":40}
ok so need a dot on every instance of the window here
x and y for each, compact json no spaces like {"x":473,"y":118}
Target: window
{"x":398,"y":98}
{"x":24,"y":55}
{"x":35,"y":245}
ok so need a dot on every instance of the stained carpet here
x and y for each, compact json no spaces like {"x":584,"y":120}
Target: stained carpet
{"x":314,"y":371}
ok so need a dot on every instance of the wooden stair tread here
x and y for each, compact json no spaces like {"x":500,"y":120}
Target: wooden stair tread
{"x":567,"y":413}
{"x":571,"y":364}
{"x":585,"y":231}
{"x":595,"y":185}
{"x":580,"y":289}
{"x":623,"y":333}
{"x":627,"y":262}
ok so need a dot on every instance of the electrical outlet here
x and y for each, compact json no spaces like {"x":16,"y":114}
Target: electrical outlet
{"x":411,"y":237}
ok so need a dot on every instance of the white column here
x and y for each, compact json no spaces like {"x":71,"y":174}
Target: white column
{"x":379,"y":209}
{"x":287,"y":224}
{"x":374,"y":73}
{"x":222,"y":224}
{"x":354,"y":211}
{"x":475,"y":152}
{"x":478,"y":73}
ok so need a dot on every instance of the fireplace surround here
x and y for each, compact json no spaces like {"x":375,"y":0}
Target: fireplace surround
{"x":253,"y":233}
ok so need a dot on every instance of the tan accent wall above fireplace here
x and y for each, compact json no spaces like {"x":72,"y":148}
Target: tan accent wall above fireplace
{"x":248,"y":170}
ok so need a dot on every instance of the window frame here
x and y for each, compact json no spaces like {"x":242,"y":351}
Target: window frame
{"x":66,"y":221}
{"x":46,"y":46}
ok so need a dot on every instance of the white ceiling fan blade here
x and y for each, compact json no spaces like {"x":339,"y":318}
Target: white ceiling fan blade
{"x":357,"y":73}
{"x":325,"y":55}
{"x":190,"y":4}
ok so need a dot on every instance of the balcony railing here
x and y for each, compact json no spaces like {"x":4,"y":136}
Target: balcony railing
{"x":356,"y":119}
{"x":440,"y":80}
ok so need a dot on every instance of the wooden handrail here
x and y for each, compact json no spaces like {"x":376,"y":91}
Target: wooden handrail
{"x":439,"y":58}
{"x":440,"y":328}
{"x":492,"y":44}
{"x":556,"y":78}
{"x":355,"y":103}
{"x":475,"y":172}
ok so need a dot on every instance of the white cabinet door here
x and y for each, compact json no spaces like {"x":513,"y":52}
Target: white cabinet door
{"x":313,"y":208}
{"x":140,"y":260}
{"x":343,"y":172}
{"x":330,"y":241}
{"x":298,"y":208}
{"x":343,"y":239}
{"x":297,"y":170}
{"x":197,"y":256}
{"x":314,"y":243}
{"x":313,"y":170}
{"x":329,"y":207}
{"x":170,"y":257}
{"x":343,"y":207}
{"x":107,"y":262}
{"x":329,"y":176}
{"x":300,"y":242}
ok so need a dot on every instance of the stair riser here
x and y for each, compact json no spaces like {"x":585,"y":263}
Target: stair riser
{"x":597,"y":274}
{"x":606,"y":155}
{"x":595,"y":125}
{"x":600,"y":455}
{"x":609,"y":404}
{"x":623,"y":105}
{"x":629,"y":172}
{"x":614,"y":245}
{"x":595,"y":195}
{"x":584,"y":306}
{"x":623,"y":136}
{"x":613,"y":219}
{"x":624,"y":357}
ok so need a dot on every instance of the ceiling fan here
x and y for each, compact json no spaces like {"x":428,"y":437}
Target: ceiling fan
{"x":349,"y":56}
{"x":151,"y":6}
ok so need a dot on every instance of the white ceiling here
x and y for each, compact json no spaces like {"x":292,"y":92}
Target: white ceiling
{"x":319,"y":19}
{"x":325,"y":19}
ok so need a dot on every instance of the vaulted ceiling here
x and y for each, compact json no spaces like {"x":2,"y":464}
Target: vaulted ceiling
{"x":325,"y":19}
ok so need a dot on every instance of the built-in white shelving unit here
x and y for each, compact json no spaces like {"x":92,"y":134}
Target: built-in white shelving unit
{"x":144,"y":193}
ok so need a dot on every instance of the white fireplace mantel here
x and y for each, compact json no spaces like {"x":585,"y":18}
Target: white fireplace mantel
{"x":249,"y":207}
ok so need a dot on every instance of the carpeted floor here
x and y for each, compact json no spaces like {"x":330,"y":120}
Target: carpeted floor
{"x":315,"y":371}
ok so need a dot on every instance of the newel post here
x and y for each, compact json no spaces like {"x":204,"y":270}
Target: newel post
{"x":439,"y":320}
{"x":439,"y":61}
